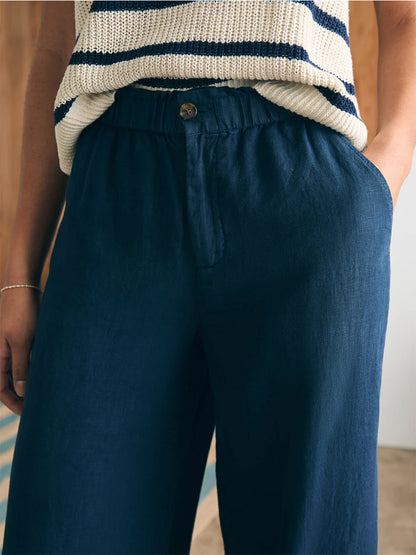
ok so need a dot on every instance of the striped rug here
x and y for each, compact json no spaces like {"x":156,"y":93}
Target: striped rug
{"x":9,"y":423}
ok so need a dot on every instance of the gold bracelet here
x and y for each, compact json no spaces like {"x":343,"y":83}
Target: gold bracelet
{"x":20,"y":285}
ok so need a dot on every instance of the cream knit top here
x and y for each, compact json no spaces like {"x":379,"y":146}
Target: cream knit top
{"x":295,"y":53}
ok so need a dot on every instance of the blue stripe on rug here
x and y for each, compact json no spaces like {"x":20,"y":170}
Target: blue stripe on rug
{"x":7,"y":444}
{"x":209,"y":481}
{"x":3,"y":508}
{"x":9,"y":419}
{"x":5,"y":471}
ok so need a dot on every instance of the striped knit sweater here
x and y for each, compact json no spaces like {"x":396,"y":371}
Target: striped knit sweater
{"x":295,"y":53}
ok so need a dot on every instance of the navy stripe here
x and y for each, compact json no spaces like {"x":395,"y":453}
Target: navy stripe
{"x":262,"y":49}
{"x":98,"y":6}
{"x":172,"y":83}
{"x":62,"y":110}
{"x":196,"y":48}
{"x":203,"y":48}
{"x":338,"y":100}
{"x":349,"y":87}
{"x":324,"y":19}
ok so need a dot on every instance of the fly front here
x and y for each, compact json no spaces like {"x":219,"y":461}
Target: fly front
{"x":204,"y":222}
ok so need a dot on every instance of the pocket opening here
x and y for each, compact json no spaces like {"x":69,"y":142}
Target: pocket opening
{"x":372,"y":167}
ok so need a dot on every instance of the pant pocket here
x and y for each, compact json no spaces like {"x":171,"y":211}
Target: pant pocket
{"x":381,"y":180}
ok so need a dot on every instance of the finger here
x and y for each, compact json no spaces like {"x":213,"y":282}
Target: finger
{"x":11,"y":400}
{"x":7,"y":395}
{"x":20,"y":366}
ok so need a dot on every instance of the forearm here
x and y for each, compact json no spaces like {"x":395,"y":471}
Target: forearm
{"x":42,"y":184}
{"x":397,"y":82}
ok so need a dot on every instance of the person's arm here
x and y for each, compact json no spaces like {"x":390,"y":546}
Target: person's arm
{"x":392,"y":148}
{"x":41,"y":197}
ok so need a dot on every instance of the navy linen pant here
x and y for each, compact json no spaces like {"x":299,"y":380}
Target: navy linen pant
{"x":230,"y":270}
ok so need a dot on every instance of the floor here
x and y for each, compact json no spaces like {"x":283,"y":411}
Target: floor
{"x":397,"y":508}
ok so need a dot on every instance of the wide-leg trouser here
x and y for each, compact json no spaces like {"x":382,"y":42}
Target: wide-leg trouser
{"x":229,"y":270}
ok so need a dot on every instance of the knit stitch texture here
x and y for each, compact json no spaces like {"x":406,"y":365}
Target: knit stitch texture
{"x":296,"y":53}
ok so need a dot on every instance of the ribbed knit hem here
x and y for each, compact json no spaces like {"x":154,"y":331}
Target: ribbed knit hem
{"x":85,"y":110}
{"x":307,"y":101}
{"x":302,"y":99}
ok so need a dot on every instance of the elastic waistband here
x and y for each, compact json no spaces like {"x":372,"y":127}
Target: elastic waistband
{"x":218,"y":109}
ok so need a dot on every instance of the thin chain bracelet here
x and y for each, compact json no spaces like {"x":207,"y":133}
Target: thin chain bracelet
{"x":20,"y":285}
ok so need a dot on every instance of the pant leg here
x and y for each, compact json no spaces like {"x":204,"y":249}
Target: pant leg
{"x":117,"y":418}
{"x":294,"y":317}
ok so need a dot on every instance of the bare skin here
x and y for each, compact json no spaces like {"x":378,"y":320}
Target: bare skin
{"x":41,"y":198}
{"x":392,"y":148}
{"x":42,"y":183}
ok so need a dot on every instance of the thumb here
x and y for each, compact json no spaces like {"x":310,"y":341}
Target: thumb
{"x":20,"y":367}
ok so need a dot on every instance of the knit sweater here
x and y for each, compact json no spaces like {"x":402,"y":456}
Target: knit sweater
{"x":295,"y":53}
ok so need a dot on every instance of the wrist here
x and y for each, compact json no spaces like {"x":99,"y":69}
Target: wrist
{"x":16,"y":278}
{"x":21,"y":270}
{"x":17,"y":286}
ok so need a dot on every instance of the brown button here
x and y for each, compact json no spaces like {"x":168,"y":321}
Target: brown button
{"x":187,"y":110}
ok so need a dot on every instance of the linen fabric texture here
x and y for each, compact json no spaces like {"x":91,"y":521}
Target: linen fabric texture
{"x":228,"y":273}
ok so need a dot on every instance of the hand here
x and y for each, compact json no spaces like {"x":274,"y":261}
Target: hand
{"x":18,"y":316}
{"x":393,"y":158}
